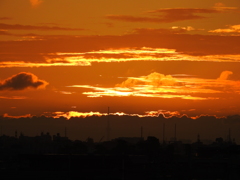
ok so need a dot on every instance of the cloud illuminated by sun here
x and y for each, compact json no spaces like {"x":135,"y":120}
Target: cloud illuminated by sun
{"x":233,"y":30}
{"x":222,"y":7}
{"x":118,"y":55}
{"x":154,"y":113}
{"x":13,"y":97}
{"x":166,"y":86}
{"x":70,"y":114}
{"x":127,"y":54}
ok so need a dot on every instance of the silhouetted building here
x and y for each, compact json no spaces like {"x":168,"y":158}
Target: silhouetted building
{"x":131,"y":140}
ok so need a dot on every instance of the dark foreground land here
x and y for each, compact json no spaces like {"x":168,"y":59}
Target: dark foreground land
{"x":46,"y":157}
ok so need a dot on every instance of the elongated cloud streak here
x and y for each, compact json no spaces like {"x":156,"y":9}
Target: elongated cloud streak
{"x":231,"y":30}
{"x":145,"y":44}
{"x":5,"y":18}
{"x":13,"y":97}
{"x":5,"y":26}
{"x":166,"y":15}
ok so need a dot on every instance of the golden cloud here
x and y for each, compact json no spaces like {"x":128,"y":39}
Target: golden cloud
{"x":165,"y":86}
{"x":144,"y":44}
{"x":224,"y":75}
{"x":155,"y":79}
{"x":231,"y":30}
{"x":13,"y":97}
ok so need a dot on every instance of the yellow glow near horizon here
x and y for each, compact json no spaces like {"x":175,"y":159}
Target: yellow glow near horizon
{"x":154,"y":113}
{"x":166,"y":114}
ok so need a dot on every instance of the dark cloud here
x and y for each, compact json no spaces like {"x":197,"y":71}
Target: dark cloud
{"x":152,"y":31}
{"x":5,"y":18}
{"x":132,"y":18}
{"x":181,"y":14}
{"x":37,"y":51}
{"x":22,"y":81}
{"x":30,"y":27}
{"x":166,"y":15}
{"x":5,"y":33}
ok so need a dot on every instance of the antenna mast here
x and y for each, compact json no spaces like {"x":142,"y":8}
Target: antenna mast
{"x":108,"y":126}
{"x":163,"y":132}
{"x":175,"y":133}
{"x":65,"y":132}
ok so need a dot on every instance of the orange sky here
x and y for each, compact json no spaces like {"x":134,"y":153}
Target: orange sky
{"x":76,"y":57}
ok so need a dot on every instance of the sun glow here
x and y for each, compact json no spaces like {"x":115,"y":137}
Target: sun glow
{"x":166,"y":114}
{"x":75,"y":114}
{"x":70,"y":114}
{"x":166,"y":86}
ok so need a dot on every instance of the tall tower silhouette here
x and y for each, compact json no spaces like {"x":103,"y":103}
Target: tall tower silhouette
{"x":175,"y":133}
{"x":16,"y":134}
{"x":163,"y":131}
{"x":108,"y":126}
{"x":229,"y":135}
{"x":198,"y":138}
{"x":65,"y":132}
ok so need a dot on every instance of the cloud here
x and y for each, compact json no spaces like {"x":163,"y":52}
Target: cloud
{"x":21,"y":81}
{"x":231,"y":30}
{"x":168,"y":15}
{"x":224,"y":75}
{"x":159,"y":31}
{"x":16,"y":117}
{"x":5,"y":18}
{"x":130,"y":82}
{"x":30,"y":27}
{"x":132,"y":18}
{"x":222,"y":7}
{"x":70,"y":114}
{"x":13,"y":97}
{"x":141,"y":45}
{"x":166,"y":114}
{"x":166,"y":86}
{"x":185,"y":29}
{"x":157,"y":79}
{"x":180,"y":14}
{"x":152,"y":31}
{"x":154,"y":79}
{"x":35,"y":3}
{"x":4,"y":32}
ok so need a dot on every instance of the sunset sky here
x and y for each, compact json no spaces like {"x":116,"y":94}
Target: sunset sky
{"x":144,"y":57}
